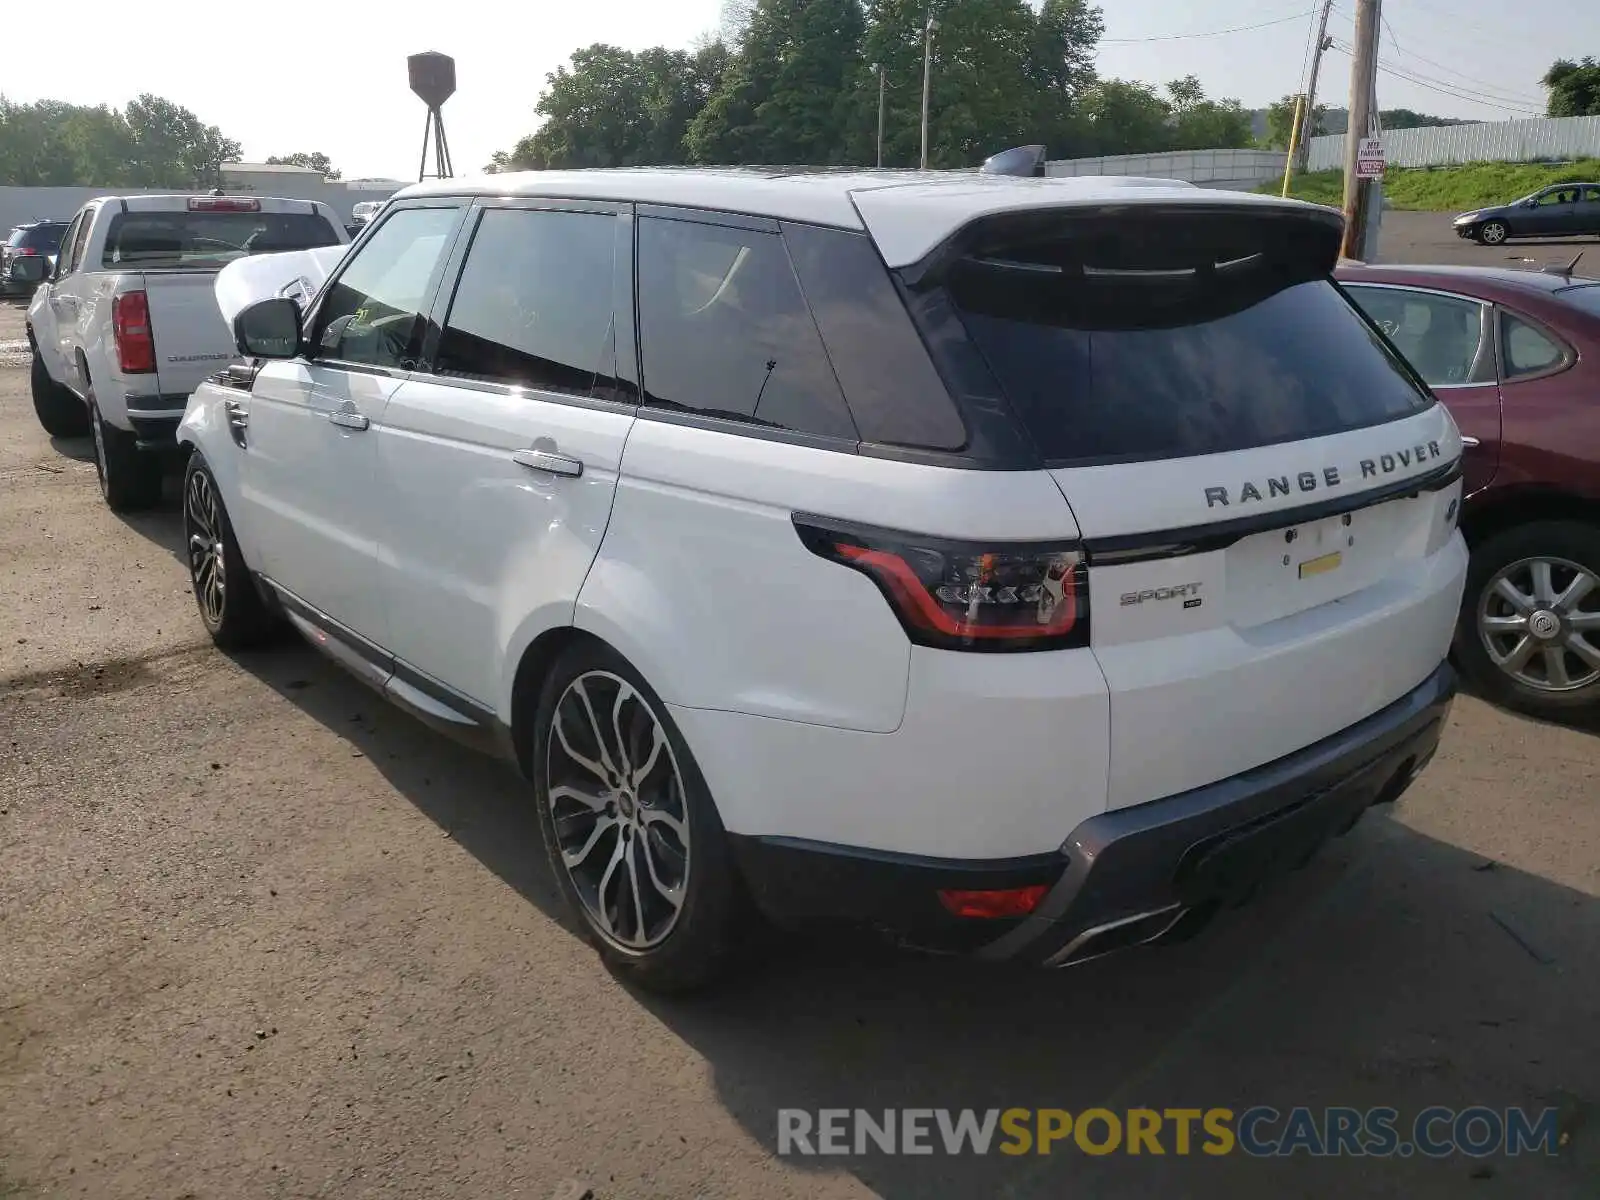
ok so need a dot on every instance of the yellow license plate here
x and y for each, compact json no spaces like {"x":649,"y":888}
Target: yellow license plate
{"x":1321,"y":566}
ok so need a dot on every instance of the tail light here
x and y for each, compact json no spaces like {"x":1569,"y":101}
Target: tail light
{"x":130,"y":328}
{"x":25,"y":252}
{"x":963,"y":595}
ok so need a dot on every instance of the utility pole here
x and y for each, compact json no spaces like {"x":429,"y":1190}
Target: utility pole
{"x":927,"y":79}
{"x":1359,"y":193}
{"x":882,"y":95}
{"x":1323,"y":42}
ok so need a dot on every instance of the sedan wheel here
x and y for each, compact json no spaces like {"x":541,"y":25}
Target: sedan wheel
{"x":1493,"y":233}
{"x":1539,"y":619}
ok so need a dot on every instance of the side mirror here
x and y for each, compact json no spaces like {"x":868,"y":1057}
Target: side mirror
{"x":1530,"y":204}
{"x":268,"y":329}
{"x":28,"y":268}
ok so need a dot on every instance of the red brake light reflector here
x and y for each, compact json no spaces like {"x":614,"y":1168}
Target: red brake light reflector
{"x":130,"y":329}
{"x":991,"y":905}
{"x":962,"y":595}
{"x":224,"y":204}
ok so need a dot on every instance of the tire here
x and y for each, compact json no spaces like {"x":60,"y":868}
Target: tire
{"x":60,"y":412}
{"x":130,"y":479}
{"x":1550,"y":623}
{"x":225,"y":591}
{"x":1493,"y":233}
{"x":622,"y":846}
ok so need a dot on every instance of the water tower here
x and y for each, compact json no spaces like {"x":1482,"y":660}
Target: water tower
{"x":433,"y":79}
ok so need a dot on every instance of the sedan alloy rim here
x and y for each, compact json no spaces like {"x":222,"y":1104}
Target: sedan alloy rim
{"x":1539,"y":620}
{"x":618,"y":809}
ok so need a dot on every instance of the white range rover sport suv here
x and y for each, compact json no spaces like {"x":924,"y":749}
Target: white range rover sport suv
{"x":1028,"y":567}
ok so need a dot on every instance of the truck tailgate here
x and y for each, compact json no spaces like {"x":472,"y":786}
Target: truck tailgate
{"x":192,"y":340}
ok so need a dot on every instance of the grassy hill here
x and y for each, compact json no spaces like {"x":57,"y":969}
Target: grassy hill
{"x":1448,"y":189}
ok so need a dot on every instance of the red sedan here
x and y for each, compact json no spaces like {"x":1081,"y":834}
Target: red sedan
{"x":1515,"y":356}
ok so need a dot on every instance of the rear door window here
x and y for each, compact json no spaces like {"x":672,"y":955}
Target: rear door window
{"x":1136,"y":359}
{"x":1440,"y":336}
{"x":725,"y":332}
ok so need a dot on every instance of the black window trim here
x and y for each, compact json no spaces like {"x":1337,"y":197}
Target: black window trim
{"x":441,"y":270}
{"x":1569,"y":356}
{"x":455,"y":264}
{"x":1485,"y":365}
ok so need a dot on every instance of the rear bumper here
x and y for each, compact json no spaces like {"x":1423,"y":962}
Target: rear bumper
{"x":1146,"y":873}
{"x":154,"y":419}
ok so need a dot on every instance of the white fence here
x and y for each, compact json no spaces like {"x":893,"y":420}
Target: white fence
{"x":1239,"y":169}
{"x":1492,"y":141}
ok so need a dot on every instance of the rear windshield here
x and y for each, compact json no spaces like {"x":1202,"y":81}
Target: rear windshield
{"x":1584,"y":295}
{"x":209,"y":239}
{"x":1106,"y":364}
{"x":44,"y":238}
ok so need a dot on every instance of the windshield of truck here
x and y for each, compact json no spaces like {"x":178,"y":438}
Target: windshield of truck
{"x":146,"y":240}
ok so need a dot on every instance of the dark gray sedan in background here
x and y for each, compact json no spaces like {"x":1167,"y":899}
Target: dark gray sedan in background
{"x":1563,"y":210}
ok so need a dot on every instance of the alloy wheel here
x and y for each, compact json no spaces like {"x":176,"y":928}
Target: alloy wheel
{"x":1494,"y":233}
{"x":1539,"y":620}
{"x":202,"y":520}
{"x":618,"y":809}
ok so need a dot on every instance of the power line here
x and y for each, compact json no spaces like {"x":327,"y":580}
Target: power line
{"x":1494,"y":89}
{"x":1444,"y":88}
{"x":1469,"y":78}
{"x":1180,"y":37}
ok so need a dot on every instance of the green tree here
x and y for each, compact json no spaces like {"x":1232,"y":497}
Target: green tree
{"x":1280,"y":123}
{"x":1196,"y":123}
{"x":785,"y":96}
{"x":315,"y":161}
{"x":1061,"y":71}
{"x":1125,"y":117}
{"x":615,"y":108}
{"x":1574,"y":88}
{"x":152,"y":143}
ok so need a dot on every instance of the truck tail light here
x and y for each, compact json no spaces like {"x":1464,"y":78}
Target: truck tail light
{"x":130,"y":328}
{"x":224,"y":204}
{"x":964,"y":595}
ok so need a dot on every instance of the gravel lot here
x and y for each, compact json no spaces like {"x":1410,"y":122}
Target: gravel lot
{"x":262,"y":936}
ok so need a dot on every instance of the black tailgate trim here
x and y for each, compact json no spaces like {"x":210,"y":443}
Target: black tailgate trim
{"x":1219,"y":535}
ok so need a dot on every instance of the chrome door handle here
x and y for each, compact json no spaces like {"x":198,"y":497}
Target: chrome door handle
{"x":348,"y":420}
{"x":1470,"y":442}
{"x":544,"y":460}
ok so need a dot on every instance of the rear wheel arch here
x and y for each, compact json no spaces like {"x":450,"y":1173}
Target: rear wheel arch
{"x":533,"y":668}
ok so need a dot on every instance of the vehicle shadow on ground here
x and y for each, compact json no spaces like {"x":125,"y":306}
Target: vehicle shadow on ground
{"x":1396,"y":970}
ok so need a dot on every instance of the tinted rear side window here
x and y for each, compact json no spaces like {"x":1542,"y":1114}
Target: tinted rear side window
{"x":895,"y":394}
{"x":1129,"y":365}
{"x":203,"y":239}
{"x":724,"y":331}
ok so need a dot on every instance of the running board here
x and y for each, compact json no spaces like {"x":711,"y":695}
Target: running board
{"x":425,"y":698}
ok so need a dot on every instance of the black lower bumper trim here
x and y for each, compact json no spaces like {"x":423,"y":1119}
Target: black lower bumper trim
{"x":155,"y":432}
{"x":1152,"y":872}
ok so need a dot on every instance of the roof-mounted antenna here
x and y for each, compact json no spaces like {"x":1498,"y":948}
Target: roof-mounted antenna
{"x":1019,"y":160}
{"x":1564,"y":270}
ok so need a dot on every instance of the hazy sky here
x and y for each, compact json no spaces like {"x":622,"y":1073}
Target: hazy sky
{"x":331,"y":77}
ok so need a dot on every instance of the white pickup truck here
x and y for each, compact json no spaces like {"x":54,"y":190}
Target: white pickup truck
{"x":127,"y":324}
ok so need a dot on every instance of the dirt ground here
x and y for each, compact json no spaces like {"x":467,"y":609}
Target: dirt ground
{"x":262,"y":936}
